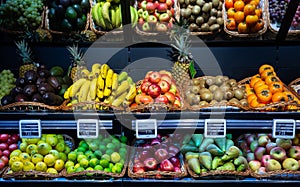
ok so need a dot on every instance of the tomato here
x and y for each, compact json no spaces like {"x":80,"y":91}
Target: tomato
{"x":260,"y":88}
{"x":258,"y":12}
{"x":279,"y":96}
{"x":289,"y":95}
{"x":249,"y":90}
{"x":265,"y":67}
{"x":258,"y":84}
{"x":251,"y":20}
{"x":272,"y":79}
{"x":254,"y":80}
{"x":256,"y":76}
{"x":239,"y":17}
{"x":249,"y":9}
{"x":243,"y":28}
{"x":264,"y":96}
{"x":267,"y":73}
{"x":230,"y":12}
{"x":254,"y":2}
{"x":259,"y":25}
{"x":228,"y":4}
{"x":275,"y":87}
{"x":254,"y":103}
{"x":230,"y":24}
{"x":239,"y":5}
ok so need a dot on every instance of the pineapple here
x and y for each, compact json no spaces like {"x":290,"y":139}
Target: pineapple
{"x":180,"y":70}
{"x":89,"y":36}
{"x":26,"y":54}
{"x":39,"y":35}
{"x":78,"y":63}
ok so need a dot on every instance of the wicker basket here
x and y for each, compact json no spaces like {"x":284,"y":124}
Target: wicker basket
{"x":280,"y":106}
{"x":38,"y":174}
{"x":2,"y":170}
{"x":219,"y":174}
{"x":294,"y":86}
{"x":280,"y":174}
{"x":28,"y":106}
{"x":264,"y":6}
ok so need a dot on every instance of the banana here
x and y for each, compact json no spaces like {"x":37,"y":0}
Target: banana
{"x":118,"y":101}
{"x":76,"y":87}
{"x":105,"y":11}
{"x":109,"y":100}
{"x":134,"y":16}
{"x":104,"y":69}
{"x":130,"y":81}
{"x":93,"y":89}
{"x":107,"y":91}
{"x":100,"y":83}
{"x":123,"y":87}
{"x":91,"y":76}
{"x":100,"y":94}
{"x":95,"y":12}
{"x":115,"y":83}
{"x":113,"y":17}
{"x":118,"y":17}
{"x":96,"y":67}
{"x":108,"y":79}
{"x":123,"y":76}
{"x":100,"y":21}
{"x":85,"y":73}
{"x":67,"y":92}
{"x":131,"y":94}
{"x":84,"y":90}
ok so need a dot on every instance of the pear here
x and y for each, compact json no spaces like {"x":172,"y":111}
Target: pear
{"x":214,"y":150}
{"x":190,"y":155}
{"x":227,"y":166}
{"x":241,"y":167}
{"x":232,"y":152}
{"x":240,"y":160}
{"x":197,"y":138}
{"x":206,"y":142}
{"x":205,"y":159}
{"x":194,"y":165}
{"x":229,"y":143}
{"x":221,"y":142}
{"x":216,"y":162}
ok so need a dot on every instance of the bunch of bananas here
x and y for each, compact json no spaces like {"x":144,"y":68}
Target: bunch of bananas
{"x":102,"y":84}
{"x":108,"y":15}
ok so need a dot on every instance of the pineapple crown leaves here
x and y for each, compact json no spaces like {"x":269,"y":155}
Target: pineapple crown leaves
{"x":76,"y":55}
{"x":25,"y":52}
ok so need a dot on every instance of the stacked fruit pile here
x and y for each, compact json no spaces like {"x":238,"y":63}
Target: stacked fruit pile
{"x":159,"y":154}
{"x":102,"y":84}
{"x":266,"y":88}
{"x":245,"y":16}
{"x":107,"y":14}
{"x":207,"y":154}
{"x":158,"y":87}
{"x":47,"y":154}
{"x":213,"y":90}
{"x":102,"y":154}
{"x":67,"y":15}
{"x":8,"y":143}
{"x":155,"y":15}
{"x":202,"y":16}
{"x":265,"y":153}
{"x":21,"y":15}
{"x":7,"y":82}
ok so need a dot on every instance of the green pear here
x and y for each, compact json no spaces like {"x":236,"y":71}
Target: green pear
{"x":240,"y":160}
{"x":216,"y":162}
{"x":194,"y":164}
{"x":241,"y":167}
{"x":188,"y":148}
{"x":186,"y":139}
{"x":229,"y":143}
{"x":205,"y":159}
{"x":227,"y":166}
{"x":190,"y":155}
{"x":197,"y":138}
{"x":221,"y":142}
{"x":214,"y":150}
{"x":229,"y":136}
{"x":206,"y":142}
{"x":232,"y":152}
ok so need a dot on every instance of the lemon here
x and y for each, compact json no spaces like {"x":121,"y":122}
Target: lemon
{"x":72,"y":156}
{"x":93,"y":162}
{"x":76,"y":166}
{"x":51,"y":139}
{"x":67,"y":149}
{"x":12,"y":160}
{"x":52,"y":171}
{"x":60,"y":146}
{"x":70,"y":169}
{"x":79,"y":169}
{"x":44,"y":148}
{"x":60,"y":137}
{"x":84,"y":163}
{"x":49,"y":160}
{"x":54,"y":153}
{"x":98,"y":168}
{"x":59,"y":165}
{"x":108,"y":170}
{"x":69,"y":163}
{"x":120,"y":165}
{"x":80,"y":157}
{"x":98,"y":154}
{"x":15,"y":153}
{"x":115,"y":157}
{"x":106,"y":157}
{"x":23,"y":146}
{"x":28,"y":166}
{"x":104,"y":163}
{"x":32,"y":140}
{"x":17,"y":166}
{"x":37,"y":158}
{"x":41,"y":166}
{"x":63,"y":156}
{"x":24,"y":157}
{"x":41,"y":141}
{"x":44,"y":137}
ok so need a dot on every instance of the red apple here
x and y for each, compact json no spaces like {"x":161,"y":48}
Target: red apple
{"x":155,"y":141}
{"x":138,"y":98}
{"x":170,"y":96}
{"x":173,"y":150}
{"x":146,"y":27}
{"x":162,"y":99}
{"x":166,"y":78}
{"x":148,"y":75}
{"x":3,"y":146}
{"x":177,"y":169}
{"x":154,"y":90}
{"x":146,"y":99}
{"x":3,"y":137}
{"x":175,"y":161}
{"x":164,"y":86}
{"x":6,"y":153}
{"x":173,"y":89}
{"x":156,"y":14}
{"x":150,"y":7}
{"x":170,"y":25}
{"x":265,"y":159}
{"x":1,"y":153}
{"x":164,"y":17}
{"x":4,"y":159}
{"x":154,"y":77}
{"x":161,"y":27}
{"x":177,"y":103}
{"x":166,"y":165}
{"x":13,"y":147}
{"x":150,"y":164}
{"x":150,"y":1}
{"x":162,"y":1}
{"x":145,"y":154}
{"x":169,"y":3}
{"x":138,"y":168}
{"x":162,"y":7}
{"x":161,"y":154}
{"x":145,"y":86}
{"x":141,"y":21}
{"x":2,"y":164}
{"x":143,"y":5}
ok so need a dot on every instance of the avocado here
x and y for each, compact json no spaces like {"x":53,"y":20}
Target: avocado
{"x":66,"y":25}
{"x":44,"y":73}
{"x":63,"y":89}
{"x":30,"y":77}
{"x":36,"y":97}
{"x":80,"y":24}
{"x":45,"y":87}
{"x":53,"y":81}
{"x":57,"y":71}
{"x":21,"y":98}
{"x":59,"y":12}
{"x":78,"y":9}
{"x":71,"y":14}
{"x":15,"y":91}
{"x":67,"y":80}
{"x":85,"y":4}
{"x":7,"y":99}
{"x":52,"y":99}
{"x":29,"y":90}
{"x":39,"y":81}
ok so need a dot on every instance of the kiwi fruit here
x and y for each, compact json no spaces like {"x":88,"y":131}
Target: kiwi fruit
{"x":197,"y":99}
{"x":218,"y":95}
{"x":196,"y":82}
{"x":219,"y":80}
{"x":202,"y":83}
{"x":214,"y":102}
{"x":195,"y":89}
{"x":232,"y":82}
{"x":203,"y":103}
{"x":210,"y":81}
{"x":203,"y":90}
{"x":239,"y":93}
{"x":225,"y":87}
{"x":190,"y":98}
{"x":213,"y":88}
{"x":207,"y":96}
{"x":229,"y":95}
{"x":244,"y":102}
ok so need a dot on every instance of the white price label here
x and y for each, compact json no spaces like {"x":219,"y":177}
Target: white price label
{"x":87,"y":128}
{"x":146,"y":129}
{"x":284,"y":128}
{"x":215,"y":128}
{"x":30,"y":128}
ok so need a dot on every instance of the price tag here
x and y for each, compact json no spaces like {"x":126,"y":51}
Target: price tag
{"x":30,"y":128}
{"x":146,"y":129}
{"x":215,"y":128}
{"x":87,"y":128}
{"x":284,"y":128}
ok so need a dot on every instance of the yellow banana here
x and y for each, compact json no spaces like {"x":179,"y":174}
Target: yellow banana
{"x":85,"y":73}
{"x":100,"y":94}
{"x":107,"y":91}
{"x":104,"y":69}
{"x":109,"y":100}
{"x":84,"y":90}
{"x":131,"y":94}
{"x":100,"y":83}
{"x":108,"y":79}
{"x":96,"y":67}
{"x":67,"y":92}
{"x":122,"y":88}
{"x":76,"y":87}
{"x":91,"y":76}
{"x":93,"y":89}
{"x":118,"y":101}
{"x":115,"y":83}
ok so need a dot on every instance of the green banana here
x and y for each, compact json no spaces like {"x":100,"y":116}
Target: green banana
{"x":113,"y":17}
{"x":95,"y":13}
{"x":100,"y":21}
{"x":134,"y":16}
{"x":105,"y":11}
{"x":118,"y":101}
{"x":123,"y":76}
{"x":84,"y":90}
{"x":118,"y":17}
{"x":93,"y":89}
{"x":122,"y":88}
{"x":76,"y":87}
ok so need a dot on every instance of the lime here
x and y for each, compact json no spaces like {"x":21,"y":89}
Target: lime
{"x":123,"y":145}
{"x":104,"y":163}
{"x":49,"y":160}
{"x":123,"y":150}
{"x":63,"y":156}
{"x":59,"y":137}
{"x":81,"y":149}
{"x":70,"y":169}
{"x":115,"y":157}
{"x":110,"y":165}
{"x":84,"y":145}
{"x":23,"y":146}
{"x":109,"y":151}
{"x":106,"y":157}
{"x":120,"y":165}
{"x":12,"y":160}
{"x":28,"y":166}
{"x":69,"y":163}
{"x":98,"y":154}
{"x":60,"y":146}
{"x":108,"y":170}
{"x":37,"y":158}
{"x":98,"y":167}
{"x":79,"y":169}
{"x":59,"y":165}
{"x":89,"y":169}
{"x":100,"y":137}
{"x":110,"y":146}
{"x":102,"y":148}
{"x":52,"y":171}
{"x":91,"y":156}
{"x":41,"y":166}
{"x":77,"y":166}
{"x":17,"y":166}
{"x":79,"y":153}
{"x":93,"y":146}
{"x":80,"y":157}
{"x":24,"y":157}
{"x":116,"y":169}
{"x":67,"y":149}
{"x":16,"y":153}
{"x":114,"y":141}
{"x":84,"y":163}
{"x":106,"y":140}
{"x":93,"y":162}
{"x":123,"y":139}
{"x":54,"y":153}
{"x":88,"y":152}
{"x":123,"y":154}
{"x":72,"y":156}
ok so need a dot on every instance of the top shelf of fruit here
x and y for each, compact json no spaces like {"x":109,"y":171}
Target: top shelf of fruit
{"x":93,"y":18}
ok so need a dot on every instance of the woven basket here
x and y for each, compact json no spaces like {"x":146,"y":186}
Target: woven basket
{"x":219,"y":174}
{"x":264,"y":6}
{"x":38,"y":174}
{"x":223,"y":106}
{"x":280,"y":174}
{"x":295,"y":85}
{"x":280,"y":106}
{"x":2,"y":170}
{"x":28,"y":106}
{"x":156,"y":174}
{"x":91,"y":105}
